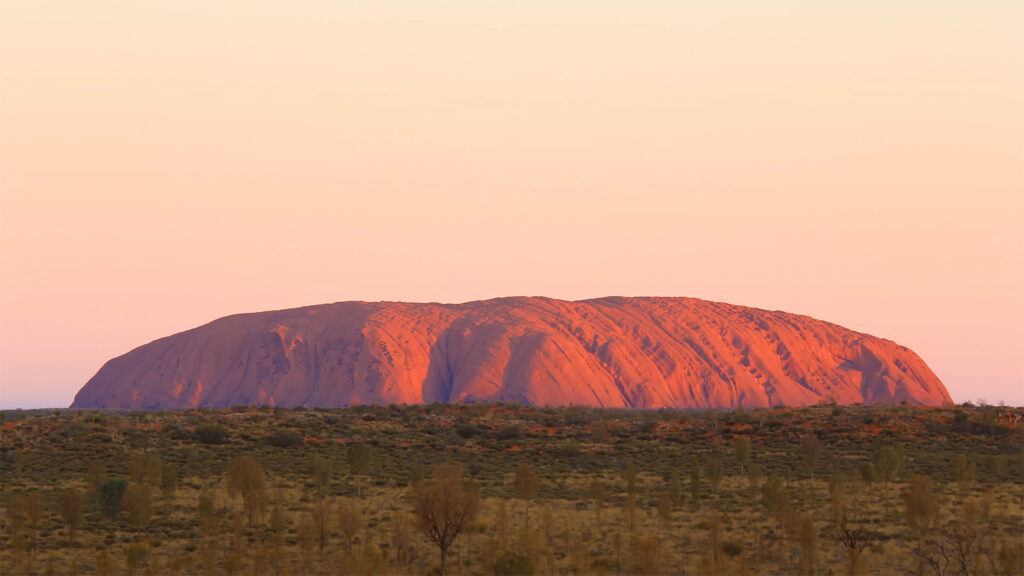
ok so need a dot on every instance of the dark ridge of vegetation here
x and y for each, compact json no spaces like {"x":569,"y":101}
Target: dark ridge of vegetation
{"x":512,"y":489}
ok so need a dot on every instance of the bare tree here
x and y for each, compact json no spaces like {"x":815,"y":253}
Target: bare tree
{"x":278,"y":527}
{"x":319,"y":515}
{"x":444,"y":508}
{"x":965,"y":538}
{"x":401,"y":539}
{"x":848,"y":530}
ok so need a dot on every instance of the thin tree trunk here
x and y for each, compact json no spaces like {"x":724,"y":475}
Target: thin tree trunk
{"x":527,"y":517}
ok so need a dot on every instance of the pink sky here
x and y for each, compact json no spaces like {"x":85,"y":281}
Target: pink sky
{"x":165,"y":163}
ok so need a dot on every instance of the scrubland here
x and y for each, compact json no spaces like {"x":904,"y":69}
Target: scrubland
{"x":260,"y":490}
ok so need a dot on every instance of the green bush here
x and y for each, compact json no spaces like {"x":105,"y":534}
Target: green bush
{"x":109,"y":495}
{"x":211,"y":434}
{"x":284,"y":438}
{"x":732,"y":549}
{"x":466,"y":430}
{"x":513,"y":564}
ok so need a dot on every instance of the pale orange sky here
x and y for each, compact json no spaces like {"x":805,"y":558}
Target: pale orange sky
{"x":165,"y":163}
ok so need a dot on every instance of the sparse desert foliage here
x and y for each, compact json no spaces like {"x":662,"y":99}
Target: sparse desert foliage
{"x":511,"y":489}
{"x":443,"y":509}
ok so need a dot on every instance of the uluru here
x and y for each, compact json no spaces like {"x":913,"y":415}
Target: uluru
{"x":607,"y":352}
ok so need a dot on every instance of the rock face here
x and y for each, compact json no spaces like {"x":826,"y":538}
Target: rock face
{"x":611,"y":352}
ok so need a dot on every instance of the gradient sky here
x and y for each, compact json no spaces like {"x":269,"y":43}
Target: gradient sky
{"x":165,"y":163}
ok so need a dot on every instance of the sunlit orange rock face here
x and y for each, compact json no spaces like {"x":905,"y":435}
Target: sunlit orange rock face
{"x":612,"y":352}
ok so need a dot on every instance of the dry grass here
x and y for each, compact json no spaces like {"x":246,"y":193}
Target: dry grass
{"x":46,"y":452}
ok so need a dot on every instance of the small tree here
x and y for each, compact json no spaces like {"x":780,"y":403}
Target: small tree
{"x":206,"y":511}
{"x":416,"y":473}
{"x":922,"y":506}
{"x":966,"y":538}
{"x":138,"y":505}
{"x":647,"y":554}
{"x":18,"y":463}
{"x":665,"y":509}
{"x":716,"y":535}
{"x":715,"y":469}
{"x":675,"y":487}
{"x":867,"y":472}
{"x":245,"y":478}
{"x":810,"y":450}
{"x":742,"y":450}
{"x":888,"y":461}
{"x":778,"y":506}
{"x":350,"y":521}
{"x":319,"y":516}
{"x":754,"y":476}
{"x":96,"y":474}
{"x":168,"y":481}
{"x":401,"y":538}
{"x":135,"y":556}
{"x":34,"y":510}
{"x":15,"y":513}
{"x":629,"y":474}
{"x":526,"y":485}
{"x":808,"y":536}
{"x":695,"y":481}
{"x":104,"y":563}
{"x":848,"y":531}
{"x":598,"y":494}
{"x":71,"y":509}
{"x":443,"y":508}
{"x":359,"y":458}
{"x":320,"y":474}
{"x":146,"y":468}
{"x":964,"y":472}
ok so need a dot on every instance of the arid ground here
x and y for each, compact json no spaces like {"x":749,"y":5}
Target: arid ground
{"x":259,"y":490}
